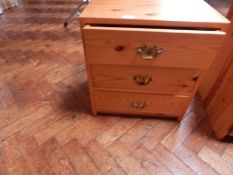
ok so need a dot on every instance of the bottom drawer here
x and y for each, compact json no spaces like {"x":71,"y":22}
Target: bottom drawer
{"x":138,"y":103}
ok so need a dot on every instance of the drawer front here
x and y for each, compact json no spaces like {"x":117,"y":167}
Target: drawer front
{"x":151,"y":47}
{"x":156,"y":80}
{"x":136,"y":103}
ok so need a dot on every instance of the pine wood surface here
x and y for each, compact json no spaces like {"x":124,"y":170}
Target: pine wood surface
{"x":163,"y":80}
{"x":216,"y":87}
{"x":152,"y":104}
{"x":213,"y":77}
{"x":45,"y":123}
{"x":220,"y":108}
{"x":154,"y":13}
{"x":181,"y":51}
{"x":111,"y":42}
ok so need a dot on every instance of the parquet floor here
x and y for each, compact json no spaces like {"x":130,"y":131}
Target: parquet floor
{"x":45,"y":123}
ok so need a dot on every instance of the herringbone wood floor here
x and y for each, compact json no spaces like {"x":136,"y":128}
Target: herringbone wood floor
{"x":45,"y":123}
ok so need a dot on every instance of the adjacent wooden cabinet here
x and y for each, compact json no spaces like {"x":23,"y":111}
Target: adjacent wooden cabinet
{"x":220,"y":109}
{"x":217,"y":87}
{"x":148,"y":56}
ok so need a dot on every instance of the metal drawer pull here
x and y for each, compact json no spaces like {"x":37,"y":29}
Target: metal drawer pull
{"x":138,"y":105}
{"x":142,"y":79}
{"x":149,"y":53}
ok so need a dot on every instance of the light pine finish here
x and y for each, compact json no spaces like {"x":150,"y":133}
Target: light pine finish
{"x":162,"y":80}
{"x":45,"y":123}
{"x":214,"y":75}
{"x":181,"y":51}
{"x":154,"y":13}
{"x":115,"y":35}
{"x":220,"y":109}
{"x":119,"y":102}
{"x":216,"y":89}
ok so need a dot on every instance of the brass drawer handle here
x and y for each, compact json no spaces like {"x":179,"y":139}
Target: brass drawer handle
{"x":142,"y":79}
{"x":138,"y":105}
{"x":149,"y":53}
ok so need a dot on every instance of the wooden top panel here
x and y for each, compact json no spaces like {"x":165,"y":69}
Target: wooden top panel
{"x":177,"y":13}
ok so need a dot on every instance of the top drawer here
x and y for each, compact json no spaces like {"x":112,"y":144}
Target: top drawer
{"x":151,"y":47}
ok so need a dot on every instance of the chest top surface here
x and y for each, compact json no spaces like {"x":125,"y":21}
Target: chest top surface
{"x":173,"y":13}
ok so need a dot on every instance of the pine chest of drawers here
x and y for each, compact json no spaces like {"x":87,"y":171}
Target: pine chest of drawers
{"x":147,"y":57}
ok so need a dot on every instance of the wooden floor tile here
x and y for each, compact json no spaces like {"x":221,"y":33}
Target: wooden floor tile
{"x":215,"y":161}
{"x":103,"y":160}
{"x":199,"y":137}
{"x":115,"y":132}
{"x":13,"y":158}
{"x":194,"y":162}
{"x":228,"y":155}
{"x":151,"y":162}
{"x":80,"y":159}
{"x":171,"y":161}
{"x":133,"y":167}
{"x":129,"y":141}
{"x":157,"y":134}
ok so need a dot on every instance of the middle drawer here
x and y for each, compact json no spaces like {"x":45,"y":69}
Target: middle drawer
{"x":155,"y":80}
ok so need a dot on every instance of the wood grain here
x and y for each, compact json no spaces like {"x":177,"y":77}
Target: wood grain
{"x":184,"y":49}
{"x":213,"y":76}
{"x":117,"y":102}
{"x":163,"y":80}
{"x":220,"y":100}
{"x":154,"y":13}
{"x":46,"y":124}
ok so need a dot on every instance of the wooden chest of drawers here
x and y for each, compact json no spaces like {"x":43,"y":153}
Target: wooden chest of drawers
{"x":148,"y":56}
